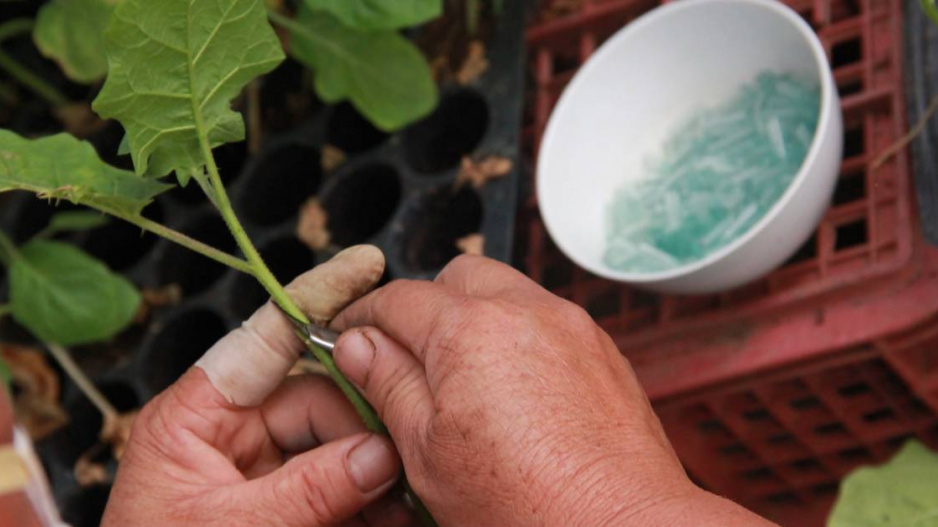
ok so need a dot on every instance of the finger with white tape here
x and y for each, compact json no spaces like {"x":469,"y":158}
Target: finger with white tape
{"x":250,"y":362}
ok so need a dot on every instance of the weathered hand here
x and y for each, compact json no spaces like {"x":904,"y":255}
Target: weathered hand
{"x":233,"y":443}
{"x":511,"y":407}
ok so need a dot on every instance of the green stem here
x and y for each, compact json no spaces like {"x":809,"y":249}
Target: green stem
{"x":5,"y":309}
{"x":282,"y":20}
{"x":15,"y":28}
{"x":8,"y":250}
{"x":32,"y":81}
{"x":369,"y":416}
{"x":64,"y":358}
{"x":187,"y":242}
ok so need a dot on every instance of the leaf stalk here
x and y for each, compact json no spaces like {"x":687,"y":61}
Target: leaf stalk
{"x":71,"y":368}
{"x":8,"y":250}
{"x":32,"y":81}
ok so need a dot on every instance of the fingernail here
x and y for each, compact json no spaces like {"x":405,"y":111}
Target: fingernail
{"x":372,"y":463}
{"x":354,"y":354}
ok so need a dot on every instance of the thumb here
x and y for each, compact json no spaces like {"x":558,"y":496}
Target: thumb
{"x":327,"y":485}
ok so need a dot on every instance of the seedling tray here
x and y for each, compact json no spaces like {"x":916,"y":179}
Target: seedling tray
{"x":394,"y":190}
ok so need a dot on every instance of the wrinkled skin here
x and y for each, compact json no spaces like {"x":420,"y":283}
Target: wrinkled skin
{"x":235,"y":443}
{"x":508,"y":405}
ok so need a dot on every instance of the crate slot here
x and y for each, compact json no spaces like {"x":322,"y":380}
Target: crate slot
{"x":734,"y":450}
{"x":805,"y":403}
{"x":604,"y":305}
{"x":854,"y":142}
{"x":850,"y":88}
{"x":878,"y":416}
{"x":851,"y":234}
{"x":830,"y":429}
{"x":854,"y":390}
{"x":846,"y":52}
{"x":850,"y":188}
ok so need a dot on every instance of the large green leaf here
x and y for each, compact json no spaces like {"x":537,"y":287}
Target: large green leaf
{"x":900,"y":493}
{"x":385,"y":76}
{"x":62,"y":167}
{"x":65,"y":296}
{"x":173,"y":68}
{"x":380,"y":14}
{"x":71,"y":32}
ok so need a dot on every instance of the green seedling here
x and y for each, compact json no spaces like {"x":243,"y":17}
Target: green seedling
{"x":900,"y":492}
{"x":173,"y":68}
{"x":65,"y":297}
{"x":353,"y":47}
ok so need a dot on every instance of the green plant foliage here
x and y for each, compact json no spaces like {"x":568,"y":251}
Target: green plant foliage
{"x":902,"y":492}
{"x":930,"y":9}
{"x":62,"y":295}
{"x":6,"y":376}
{"x":71,"y":32}
{"x":173,"y":68}
{"x":384,"y":75}
{"x":62,"y":167}
{"x":370,"y":15}
{"x":74,"y":220}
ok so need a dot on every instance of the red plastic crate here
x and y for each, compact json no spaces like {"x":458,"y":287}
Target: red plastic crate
{"x":772,"y":392}
{"x":866,"y":234}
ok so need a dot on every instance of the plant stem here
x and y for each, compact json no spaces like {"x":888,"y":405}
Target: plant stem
{"x":8,"y":250}
{"x":188,"y":242}
{"x":907,"y":138}
{"x":64,"y":358}
{"x":365,"y":411}
{"x":5,"y":309}
{"x":32,"y":81}
{"x":15,"y":28}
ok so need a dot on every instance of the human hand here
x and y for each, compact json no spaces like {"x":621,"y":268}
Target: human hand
{"x":233,"y":443}
{"x":511,"y":407}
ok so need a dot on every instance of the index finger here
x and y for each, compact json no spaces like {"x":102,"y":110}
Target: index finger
{"x":409,"y":311}
{"x":247,"y":365}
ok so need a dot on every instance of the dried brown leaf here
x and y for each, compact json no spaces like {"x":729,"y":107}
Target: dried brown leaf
{"x":332,"y":158}
{"x":116,"y":432}
{"x":88,"y":472}
{"x":478,"y":172}
{"x":78,"y":119}
{"x":311,"y":228}
{"x":156,"y":297}
{"x":472,"y":244}
{"x":474,"y":65}
{"x":37,"y":404}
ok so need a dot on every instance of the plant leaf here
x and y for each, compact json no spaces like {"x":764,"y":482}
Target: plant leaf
{"x":65,"y":296}
{"x":71,"y":32}
{"x":74,"y":220}
{"x":370,"y":15}
{"x":930,"y":9}
{"x":173,"y":68}
{"x":902,"y":492}
{"x":62,"y":167}
{"x":385,"y":76}
{"x":6,"y":376}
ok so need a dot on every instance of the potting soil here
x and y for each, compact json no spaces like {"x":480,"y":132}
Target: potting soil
{"x":716,"y":176}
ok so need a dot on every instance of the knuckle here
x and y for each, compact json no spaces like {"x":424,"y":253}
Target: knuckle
{"x":576,"y":316}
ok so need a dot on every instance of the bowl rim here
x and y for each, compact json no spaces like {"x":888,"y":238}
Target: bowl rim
{"x":828,"y":100}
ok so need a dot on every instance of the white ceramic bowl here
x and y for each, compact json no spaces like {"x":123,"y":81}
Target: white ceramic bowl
{"x":644,"y":80}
